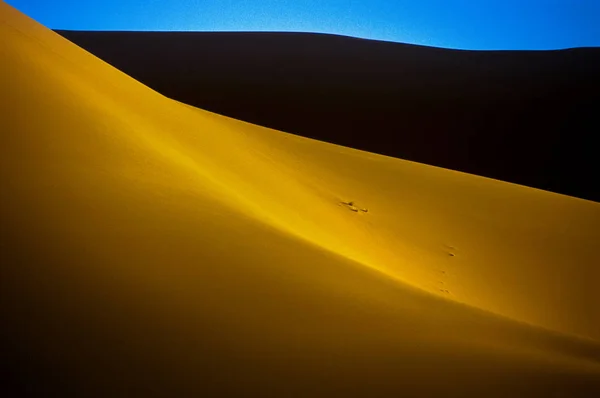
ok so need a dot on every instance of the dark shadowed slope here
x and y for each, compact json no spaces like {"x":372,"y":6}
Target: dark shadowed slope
{"x":522,"y":117}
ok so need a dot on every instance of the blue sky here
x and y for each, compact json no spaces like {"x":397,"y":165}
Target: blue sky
{"x":466,"y":24}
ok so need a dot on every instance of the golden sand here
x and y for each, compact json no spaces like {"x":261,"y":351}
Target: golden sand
{"x":154,"y":249}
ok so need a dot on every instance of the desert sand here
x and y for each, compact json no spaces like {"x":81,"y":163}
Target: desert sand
{"x":152,"y":249}
{"x":527,"y":117}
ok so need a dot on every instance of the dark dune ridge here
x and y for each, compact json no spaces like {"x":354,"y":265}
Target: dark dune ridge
{"x":527,"y":117}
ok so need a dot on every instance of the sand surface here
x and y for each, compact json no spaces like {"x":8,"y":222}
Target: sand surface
{"x":527,"y":117}
{"x":152,"y":249}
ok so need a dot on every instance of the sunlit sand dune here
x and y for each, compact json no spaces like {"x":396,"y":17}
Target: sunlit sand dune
{"x":526,"y":117}
{"x":152,"y":249}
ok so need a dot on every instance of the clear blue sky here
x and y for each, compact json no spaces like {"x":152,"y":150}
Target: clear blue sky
{"x":466,"y":24}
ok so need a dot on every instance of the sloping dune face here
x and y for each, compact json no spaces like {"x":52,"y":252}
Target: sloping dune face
{"x":153,"y":249}
{"x":526,"y":117}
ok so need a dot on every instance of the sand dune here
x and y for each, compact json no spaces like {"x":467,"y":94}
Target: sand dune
{"x":153,"y":249}
{"x":527,"y":117}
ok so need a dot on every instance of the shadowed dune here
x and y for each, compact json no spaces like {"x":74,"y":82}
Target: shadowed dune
{"x":527,"y":117}
{"x":149,"y":248}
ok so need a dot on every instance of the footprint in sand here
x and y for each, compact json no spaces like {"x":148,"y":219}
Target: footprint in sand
{"x":352,"y":206}
{"x":450,"y":250}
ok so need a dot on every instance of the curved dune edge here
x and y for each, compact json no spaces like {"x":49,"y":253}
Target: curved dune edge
{"x":147,"y":240}
{"x":462,"y":110}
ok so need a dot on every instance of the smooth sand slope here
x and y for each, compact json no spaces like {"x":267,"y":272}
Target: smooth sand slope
{"x":527,"y":117}
{"x":152,"y":249}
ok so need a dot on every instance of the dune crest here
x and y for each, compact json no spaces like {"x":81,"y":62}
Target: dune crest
{"x":526,"y":117}
{"x":155,"y":249}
